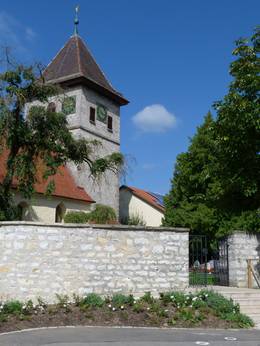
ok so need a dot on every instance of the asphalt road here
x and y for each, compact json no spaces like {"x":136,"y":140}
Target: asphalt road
{"x":99,"y":336}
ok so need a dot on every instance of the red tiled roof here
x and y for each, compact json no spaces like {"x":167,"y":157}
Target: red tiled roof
{"x":74,"y":61}
{"x":145,"y":196}
{"x":65,"y":185}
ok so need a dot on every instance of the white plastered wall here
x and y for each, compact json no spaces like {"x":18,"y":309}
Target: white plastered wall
{"x":43,"y":209}
{"x":130,"y":205}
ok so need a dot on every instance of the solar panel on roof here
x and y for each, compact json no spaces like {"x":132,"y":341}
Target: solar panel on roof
{"x":159,"y":198}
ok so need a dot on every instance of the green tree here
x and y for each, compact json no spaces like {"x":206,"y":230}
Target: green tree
{"x":238,"y":130}
{"x":40,"y":137}
{"x":216,"y":183}
{"x":190,"y":202}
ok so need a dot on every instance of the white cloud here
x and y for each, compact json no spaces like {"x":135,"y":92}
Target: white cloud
{"x":154,"y":118}
{"x":13,"y":34}
{"x":29,"y":34}
{"x":8,"y":26}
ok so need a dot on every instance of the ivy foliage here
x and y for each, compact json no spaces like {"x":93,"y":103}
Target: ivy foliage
{"x":38,"y":141}
{"x":216,"y":183}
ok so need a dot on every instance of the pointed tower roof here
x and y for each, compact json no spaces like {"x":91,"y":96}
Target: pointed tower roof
{"x":74,"y":64}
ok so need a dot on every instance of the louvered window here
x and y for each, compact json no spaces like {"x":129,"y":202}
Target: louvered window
{"x":110,"y":123}
{"x":92,"y":115}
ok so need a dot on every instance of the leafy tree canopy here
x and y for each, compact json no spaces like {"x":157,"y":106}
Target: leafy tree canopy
{"x":40,"y":137}
{"x":216,"y":183}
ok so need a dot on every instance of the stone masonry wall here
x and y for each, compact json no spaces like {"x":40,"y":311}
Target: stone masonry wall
{"x":242,"y":246}
{"x":42,"y":260}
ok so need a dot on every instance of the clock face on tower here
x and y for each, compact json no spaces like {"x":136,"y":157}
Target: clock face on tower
{"x":69,"y":105}
{"x":101,"y":113}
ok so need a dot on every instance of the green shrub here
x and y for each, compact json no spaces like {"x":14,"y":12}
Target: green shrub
{"x":138,"y":307}
{"x":220,"y":304}
{"x":186,"y":315}
{"x":77,"y":299}
{"x":148,"y":298}
{"x":76,"y":217}
{"x":103,"y":214}
{"x":133,"y":220}
{"x":92,"y":300}
{"x":178,"y":299}
{"x":63,"y":301}
{"x":28,"y":307}
{"x":120,"y":299}
{"x":12,"y":307}
{"x":189,"y":315}
{"x":157,"y":309}
{"x":2,"y":216}
{"x":3,"y":317}
{"x":239,"y":319}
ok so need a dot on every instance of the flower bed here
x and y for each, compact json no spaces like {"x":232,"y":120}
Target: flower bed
{"x":174,"y":309}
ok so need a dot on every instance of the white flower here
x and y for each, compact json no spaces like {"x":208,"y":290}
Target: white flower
{"x":122,"y":307}
{"x":114,"y":309}
{"x":110,"y":306}
{"x":148,"y":309}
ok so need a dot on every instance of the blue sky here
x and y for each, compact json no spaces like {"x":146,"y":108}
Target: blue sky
{"x":169,"y":58}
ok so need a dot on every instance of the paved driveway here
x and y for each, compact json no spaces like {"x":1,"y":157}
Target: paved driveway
{"x":98,"y":336}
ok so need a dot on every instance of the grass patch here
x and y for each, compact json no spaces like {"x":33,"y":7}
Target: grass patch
{"x":202,"y":279}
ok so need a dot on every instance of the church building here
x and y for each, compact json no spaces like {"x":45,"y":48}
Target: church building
{"x":92,"y":107}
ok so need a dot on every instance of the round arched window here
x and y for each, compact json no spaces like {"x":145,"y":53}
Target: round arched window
{"x":60,"y":212}
{"x":24,"y":213}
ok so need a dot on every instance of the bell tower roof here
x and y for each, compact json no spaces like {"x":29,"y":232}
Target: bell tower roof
{"x":74,"y":64}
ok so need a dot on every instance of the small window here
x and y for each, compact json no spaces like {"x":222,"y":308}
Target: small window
{"x":110,"y":123}
{"x":92,"y":115}
{"x":51,"y":107}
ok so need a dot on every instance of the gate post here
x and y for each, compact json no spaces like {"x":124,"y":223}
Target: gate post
{"x":249,"y":273}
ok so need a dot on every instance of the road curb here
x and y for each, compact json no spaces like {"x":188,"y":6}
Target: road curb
{"x":124,"y":327}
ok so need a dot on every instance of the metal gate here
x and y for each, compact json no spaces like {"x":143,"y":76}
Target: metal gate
{"x":221,"y":264}
{"x":207,"y":267}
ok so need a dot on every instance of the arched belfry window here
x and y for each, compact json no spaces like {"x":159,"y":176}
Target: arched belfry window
{"x":60,"y":212}
{"x":51,"y":107}
{"x":24,"y":213}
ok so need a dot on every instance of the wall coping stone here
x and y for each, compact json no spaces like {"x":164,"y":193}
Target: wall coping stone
{"x":95,"y":226}
{"x":244,"y":232}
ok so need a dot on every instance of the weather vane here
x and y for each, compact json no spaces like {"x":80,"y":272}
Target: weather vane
{"x":76,"y":20}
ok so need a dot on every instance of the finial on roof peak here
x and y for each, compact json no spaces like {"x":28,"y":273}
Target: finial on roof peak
{"x":76,"y":20}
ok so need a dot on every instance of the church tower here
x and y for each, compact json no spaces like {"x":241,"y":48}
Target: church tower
{"x":92,"y":107}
